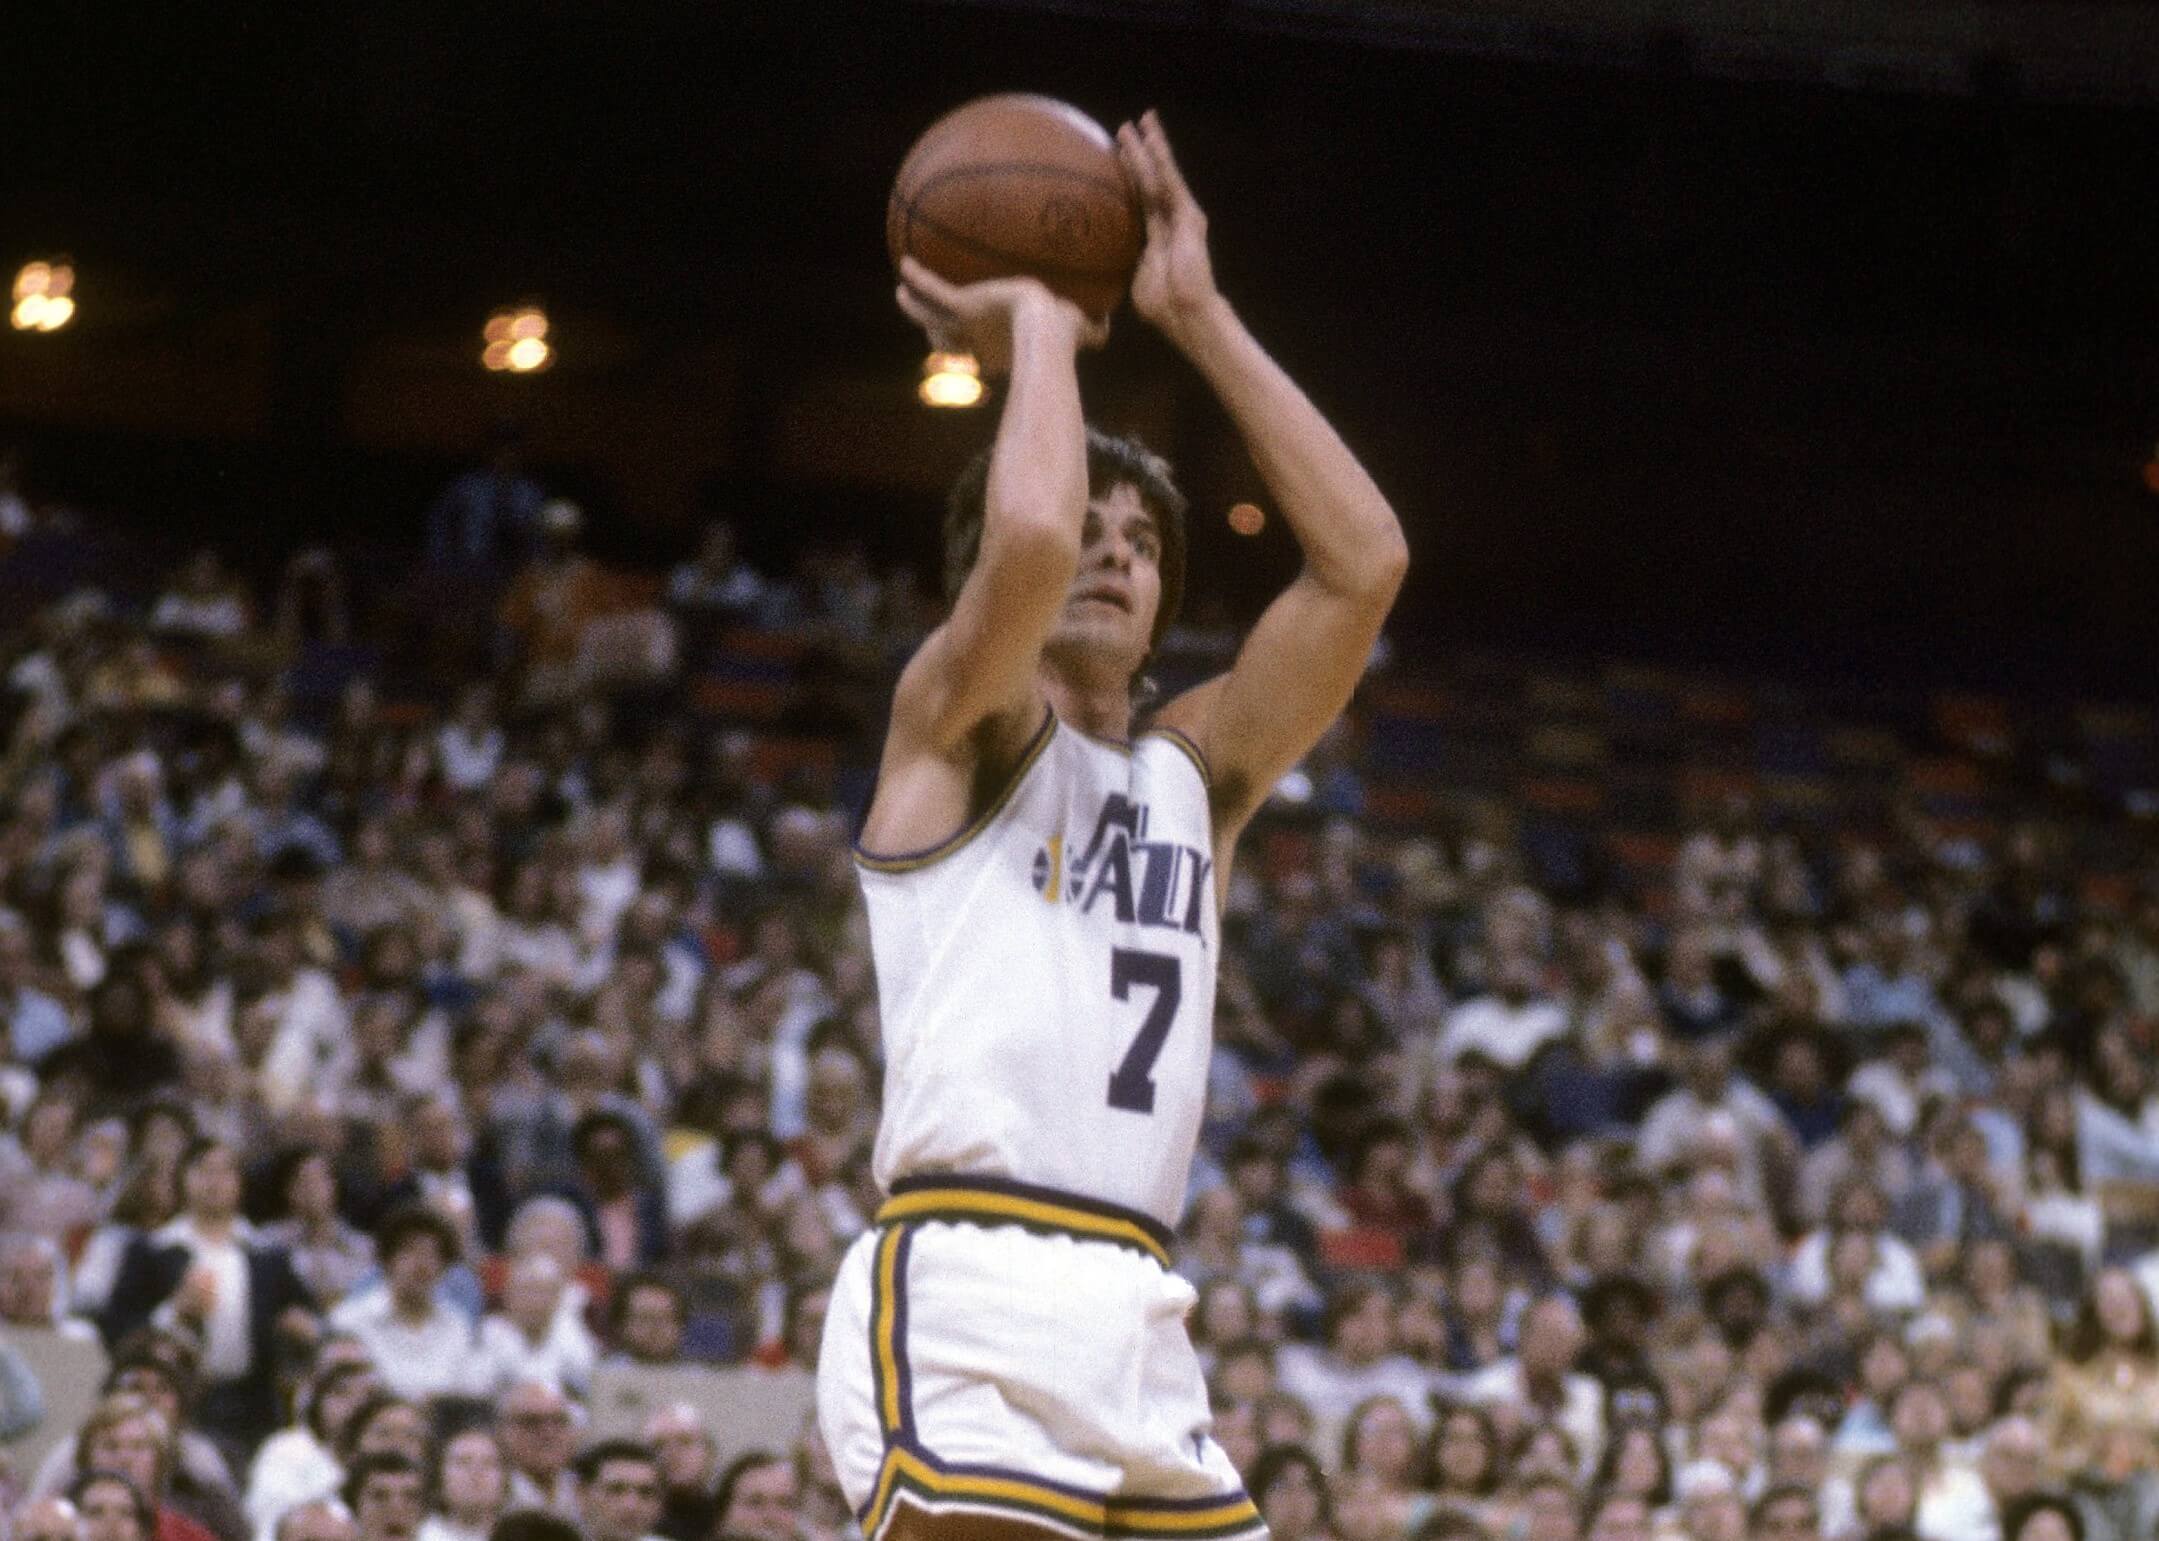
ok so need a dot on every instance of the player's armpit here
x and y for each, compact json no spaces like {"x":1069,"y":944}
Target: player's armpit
{"x":1294,"y":674}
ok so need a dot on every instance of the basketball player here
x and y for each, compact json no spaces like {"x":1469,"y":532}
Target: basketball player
{"x":1005,"y":1352}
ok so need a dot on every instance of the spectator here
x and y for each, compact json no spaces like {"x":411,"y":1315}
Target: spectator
{"x":206,"y":1273}
{"x":420,"y":1346}
{"x":471,"y":1487}
{"x":1292,"y":1494}
{"x":387,"y":1495}
{"x":539,"y":1436}
{"x":1540,"y":1383}
{"x":689,"y":1472}
{"x":532,"y":1338}
{"x":758,"y":1497}
{"x":111,"y":1507}
{"x":619,"y":1493}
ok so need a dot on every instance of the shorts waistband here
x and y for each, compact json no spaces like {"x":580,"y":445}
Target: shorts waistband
{"x":1000,"y":1201}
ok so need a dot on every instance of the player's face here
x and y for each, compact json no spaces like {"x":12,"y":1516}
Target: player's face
{"x":1114,"y":595}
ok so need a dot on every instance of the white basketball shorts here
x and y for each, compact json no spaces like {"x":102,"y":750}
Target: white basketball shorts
{"x":1015,"y":1351}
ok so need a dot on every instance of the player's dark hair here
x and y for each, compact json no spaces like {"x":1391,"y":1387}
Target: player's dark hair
{"x":1112,"y":461}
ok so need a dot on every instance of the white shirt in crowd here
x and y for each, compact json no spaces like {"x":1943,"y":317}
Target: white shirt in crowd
{"x":435,"y":1357}
{"x":1506,"y":1035}
{"x":227,"y":1349}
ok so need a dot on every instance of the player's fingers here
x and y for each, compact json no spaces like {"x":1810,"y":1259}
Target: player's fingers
{"x":1165,"y":161}
{"x":927,"y":286}
{"x":1139,"y":166}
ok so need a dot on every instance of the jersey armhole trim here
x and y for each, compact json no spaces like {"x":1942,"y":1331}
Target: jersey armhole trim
{"x":913,"y":861}
{"x":1191,"y":750}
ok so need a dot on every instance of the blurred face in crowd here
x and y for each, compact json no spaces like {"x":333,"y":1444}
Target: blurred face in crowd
{"x":1639,"y":1466}
{"x":1715,"y":1513}
{"x":1292,"y":1502}
{"x":1622,"y":1517}
{"x":2045,"y":1525}
{"x":210,"y":1184}
{"x":109,"y":1513}
{"x":652,"y":1325}
{"x":532,"y":1293}
{"x":836,"y":1090}
{"x":1236,"y":1430}
{"x":29,"y":1276}
{"x":763,"y":1503}
{"x":1788,"y":1517}
{"x":1223,"y":1314}
{"x":536,"y":1431}
{"x":398,"y":1429}
{"x":622,"y":1502}
{"x":1888,"y":1495}
{"x":1552,"y":1337}
{"x":391,"y":1505}
{"x":689,"y":1461}
{"x":1386,"y":1442}
{"x":1799,"y":1452}
{"x":1365,"y":1332}
{"x":414,"y":1270}
{"x":133,"y":1447}
{"x":2119,"y":1305}
{"x":1548,"y":1513}
{"x":2012,"y":1463}
{"x":1463,"y":1453}
{"x":475,"y":1478}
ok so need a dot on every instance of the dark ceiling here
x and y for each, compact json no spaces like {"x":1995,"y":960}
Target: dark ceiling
{"x":1652,"y":356}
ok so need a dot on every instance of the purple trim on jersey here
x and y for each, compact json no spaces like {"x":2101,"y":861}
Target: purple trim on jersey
{"x":1161,"y":1234}
{"x":899,"y":1337}
{"x":973,"y":826}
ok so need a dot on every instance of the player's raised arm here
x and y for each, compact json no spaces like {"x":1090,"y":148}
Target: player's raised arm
{"x":981,"y":662}
{"x":1297,"y":668}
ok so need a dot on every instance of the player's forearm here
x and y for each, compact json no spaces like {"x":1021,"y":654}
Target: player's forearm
{"x":1351,"y":539}
{"x":1037,"y":492}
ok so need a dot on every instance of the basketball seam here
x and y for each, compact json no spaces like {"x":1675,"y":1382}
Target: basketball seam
{"x":983,"y":248}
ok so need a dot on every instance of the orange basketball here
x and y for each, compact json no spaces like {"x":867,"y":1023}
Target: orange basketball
{"x":1013,"y":184}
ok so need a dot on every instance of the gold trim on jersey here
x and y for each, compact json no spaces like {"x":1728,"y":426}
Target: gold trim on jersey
{"x":982,"y":1205}
{"x":912,"y":861}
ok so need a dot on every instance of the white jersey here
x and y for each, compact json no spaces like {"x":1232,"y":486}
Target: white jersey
{"x":1047,"y":978}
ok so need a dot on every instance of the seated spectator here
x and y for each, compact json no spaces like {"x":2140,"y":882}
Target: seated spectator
{"x":387,"y":1495}
{"x":203,"y":603}
{"x":689,"y":1472}
{"x":531,"y":1337}
{"x":619,"y":1494}
{"x":420,"y":1346}
{"x":208,"y":1272}
{"x":1509,"y":1025}
{"x":540,"y":1437}
{"x":299,"y":1464}
{"x":1538,"y":1383}
{"x":329,"y":1255}
{"x":1358,"y":1360}
{"x":759,"y":1497}
{"x":471,"y":1489}
{"x":2110,"y":1375}
{"x":110,"y":1506}
{"x":1292,"y":1494}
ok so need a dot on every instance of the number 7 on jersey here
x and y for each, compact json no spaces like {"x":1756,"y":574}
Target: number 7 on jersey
{"x":1131,"y":1084}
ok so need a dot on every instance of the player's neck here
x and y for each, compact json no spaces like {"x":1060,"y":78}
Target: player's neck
{"x":1099,"y":705}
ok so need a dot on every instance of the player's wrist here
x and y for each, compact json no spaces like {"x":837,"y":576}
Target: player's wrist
{"x":1202,"y":326}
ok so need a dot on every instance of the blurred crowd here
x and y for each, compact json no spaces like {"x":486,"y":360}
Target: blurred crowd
{"x":437,"y":1097}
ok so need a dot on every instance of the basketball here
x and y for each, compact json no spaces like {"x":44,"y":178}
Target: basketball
{"x":1013,"y":184}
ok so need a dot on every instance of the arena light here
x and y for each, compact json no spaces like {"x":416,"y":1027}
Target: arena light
{"x":43,"y":297}
{"x":950,"y":380}
{"x":516,"y":341}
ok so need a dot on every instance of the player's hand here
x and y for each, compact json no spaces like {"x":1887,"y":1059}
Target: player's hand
{"x":1174,"y":286}
{"x":983,"y":318}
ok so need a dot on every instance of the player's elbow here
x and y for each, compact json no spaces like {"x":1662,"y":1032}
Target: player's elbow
{"x":1390,"y":563}
{"x":1031,"y":538}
